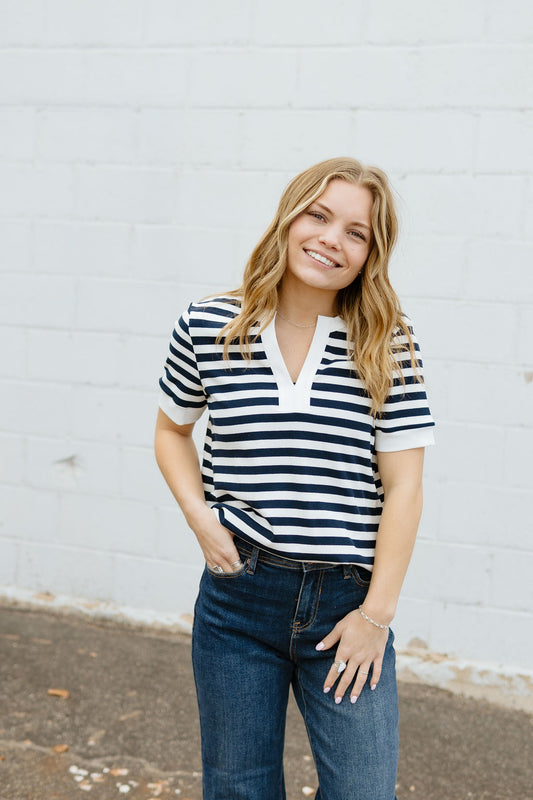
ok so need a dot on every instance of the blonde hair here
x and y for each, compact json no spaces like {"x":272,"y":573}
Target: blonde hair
{"x":369,"y":305}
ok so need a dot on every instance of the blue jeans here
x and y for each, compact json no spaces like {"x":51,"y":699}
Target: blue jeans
{"x":254,"y":635}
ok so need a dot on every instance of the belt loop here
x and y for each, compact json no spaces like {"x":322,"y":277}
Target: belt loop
{"x":252,"y":561}
{"x":346,"y":570}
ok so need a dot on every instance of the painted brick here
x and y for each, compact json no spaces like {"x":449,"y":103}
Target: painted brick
{"x":278,"y":23}
{"x":487,"y":395}
{"x":211,"y":137}
{"x":499,"y":269}
{"x":65,"y":570}
{"x":504,"y":142}
{"x":17,"y":133}
{"x":12,"y":458}
{"x":29,"y":514}
{"x":482,"y":634}
{"x":15,"y":245}
{"x":74,"y":357}
{"x":463,"y":205}
{"x":113,"y":416}
{"x":487,"y":515}
{"x":512,"y":22}
{"x":525,"y":336}
{"x":429,"y":266}
{"x":66,"y":465}
{"x":467,"y":452}
{"x":14,"y":347}
{"x":247,"y":79}
{"x":400,"y":141}
{"x":43,"y":76}
{"x":224,"y":197}
{"x":299,"y":138}
{"x":107,"y":523}
{"x":87,"y":134}
{"x":94,"y":23}
{"x":414,"y":23}
{"x":163,"y":252}
{"x":135,"y":77}
{"x":448,"y":329}
{"x":37,"y":408}
{"x":174,"y":539}
{"x":84,"y":248}
{"x":155,"y":584}
{"x":132,"y":306}
{"x":126,"y":194}
{"x":391,"y":77}
{"x":412,"y":621}
{"x":518,"y":450}
{"x":201,"y":22}
{"x":140,"y":475}
{"x":21,"y":21}
{"x":30,"y":190}
{"x":44,"y":300}
{"x":511,"y":585}
{"x":8,"y":562}
{"x":448,"y":573}
{"x":141,"y":361}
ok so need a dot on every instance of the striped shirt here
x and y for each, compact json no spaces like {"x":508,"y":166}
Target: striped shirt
{"x":290,"y":467}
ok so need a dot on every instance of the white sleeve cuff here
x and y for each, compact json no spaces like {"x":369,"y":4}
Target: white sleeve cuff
{"x":404,"y":440}
{"x":181,"y":415}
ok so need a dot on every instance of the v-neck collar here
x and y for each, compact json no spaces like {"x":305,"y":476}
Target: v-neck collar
{"x":297,"y":396}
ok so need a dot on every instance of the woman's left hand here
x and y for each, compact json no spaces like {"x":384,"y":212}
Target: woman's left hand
{"x":361,"y":648}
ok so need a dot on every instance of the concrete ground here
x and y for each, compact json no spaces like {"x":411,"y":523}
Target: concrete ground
{"x":129,"y":726}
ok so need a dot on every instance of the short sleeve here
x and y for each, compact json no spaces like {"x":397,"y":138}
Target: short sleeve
{"x":406,"y":420}
{"x":182,"y":395}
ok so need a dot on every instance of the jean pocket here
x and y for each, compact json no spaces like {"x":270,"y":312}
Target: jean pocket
{"x":216,"y":574}
{"x":361,"y":576}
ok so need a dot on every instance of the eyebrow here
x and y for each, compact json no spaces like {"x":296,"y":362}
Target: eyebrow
{"x":359,"y":224}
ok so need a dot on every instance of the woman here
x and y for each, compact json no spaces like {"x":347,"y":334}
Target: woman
{"x":309,"y":495}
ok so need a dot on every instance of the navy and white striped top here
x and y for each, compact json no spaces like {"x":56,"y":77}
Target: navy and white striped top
{"x":290,"y":467}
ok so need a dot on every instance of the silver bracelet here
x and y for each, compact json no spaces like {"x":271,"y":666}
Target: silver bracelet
{"x":372,"y":621}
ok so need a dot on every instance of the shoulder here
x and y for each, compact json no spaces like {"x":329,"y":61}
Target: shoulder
{"x":212,"y":311}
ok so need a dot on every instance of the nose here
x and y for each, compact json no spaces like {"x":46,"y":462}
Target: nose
{"x":329,"y":237}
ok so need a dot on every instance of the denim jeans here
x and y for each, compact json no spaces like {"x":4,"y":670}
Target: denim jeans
{"x":254,"y":635}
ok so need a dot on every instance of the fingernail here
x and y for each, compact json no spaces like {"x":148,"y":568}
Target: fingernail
{"x":338,"y":699}
{"x":320,"y":646}
{"x":373,"y":687}
{"x":326,"y":690}
{"x":353,"y":699}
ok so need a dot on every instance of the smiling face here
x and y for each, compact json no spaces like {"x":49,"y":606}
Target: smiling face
{"x":329,"y":242}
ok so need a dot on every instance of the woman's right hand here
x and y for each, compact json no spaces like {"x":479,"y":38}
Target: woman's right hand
{"x":216,"y":542}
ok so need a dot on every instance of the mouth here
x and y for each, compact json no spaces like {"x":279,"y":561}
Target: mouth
{"x":320,"y":259}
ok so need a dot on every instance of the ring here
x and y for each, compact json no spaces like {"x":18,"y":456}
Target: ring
{"x":362,"y":673}
{"x":237,"y":564}
{"x":217,"y":568}
{"x":341,"y":666}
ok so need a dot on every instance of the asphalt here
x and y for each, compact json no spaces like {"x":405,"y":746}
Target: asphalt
{"x":129,"y":726}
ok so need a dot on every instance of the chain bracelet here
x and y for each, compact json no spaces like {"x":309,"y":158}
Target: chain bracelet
{"x":372,"y":621}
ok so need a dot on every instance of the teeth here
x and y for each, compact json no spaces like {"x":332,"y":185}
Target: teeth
{"x":318,"y":257}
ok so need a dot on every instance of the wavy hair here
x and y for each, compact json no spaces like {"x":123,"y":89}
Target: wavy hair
{"x":369,"y":305}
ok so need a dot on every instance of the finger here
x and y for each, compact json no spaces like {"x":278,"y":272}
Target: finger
{"x":362,"y":677}
{"x":328,"y":641}
{"x":336,"y":670}
{"x":376,"y":673}
{"x":344,"y":682}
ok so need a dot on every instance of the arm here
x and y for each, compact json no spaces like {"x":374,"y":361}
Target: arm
{"x":361,"y":644}
{"x":177,"y":459}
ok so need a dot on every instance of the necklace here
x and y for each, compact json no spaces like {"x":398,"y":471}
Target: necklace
{"x":297,"y":324}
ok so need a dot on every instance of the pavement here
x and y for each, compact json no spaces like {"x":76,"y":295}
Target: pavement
{"x":109,"y":711}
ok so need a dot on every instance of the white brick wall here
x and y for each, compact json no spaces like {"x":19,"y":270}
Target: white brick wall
{"x":143,"y":148}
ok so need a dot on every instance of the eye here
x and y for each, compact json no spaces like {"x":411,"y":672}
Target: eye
{"x":358,"y":234}
{"x":316,"y":215}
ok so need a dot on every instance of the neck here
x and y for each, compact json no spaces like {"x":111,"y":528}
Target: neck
{"x":305,"y":304}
